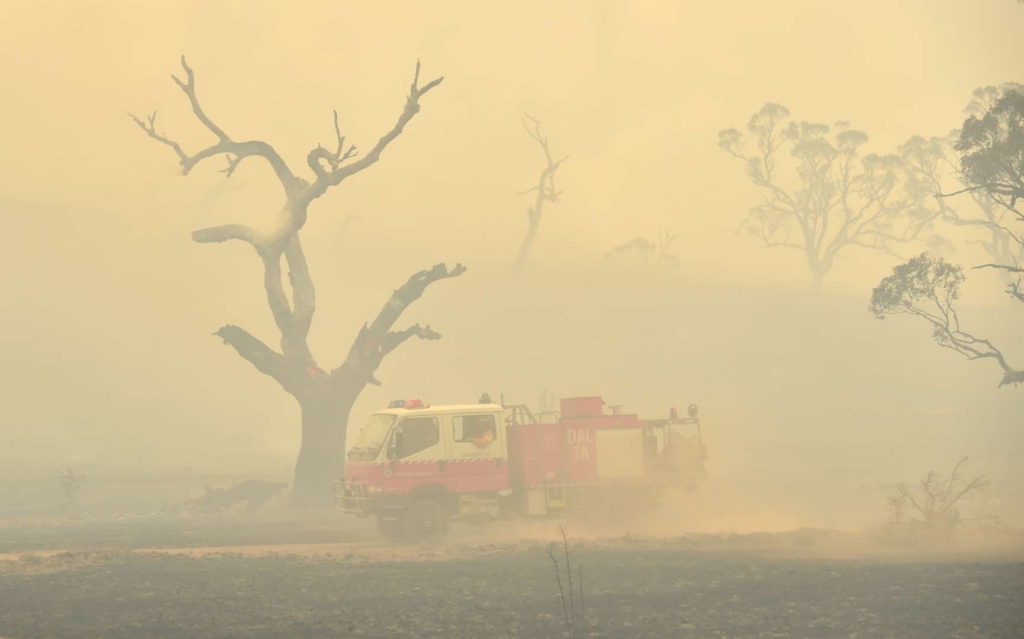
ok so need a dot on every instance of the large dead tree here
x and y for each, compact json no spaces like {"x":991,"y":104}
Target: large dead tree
{"x":325,"y":397}
{"x":833,"y":199}
{"x":545,"y":191}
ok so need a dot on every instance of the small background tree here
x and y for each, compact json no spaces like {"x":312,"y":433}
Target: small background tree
{"x":646,"y":254}
{"x":931,"y":507}
{"x":70,"y":487}
{"x":835,"y":198}
{"x":545,"y":191}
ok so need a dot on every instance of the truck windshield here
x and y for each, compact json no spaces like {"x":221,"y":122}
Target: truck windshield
{"x":371,"y":438}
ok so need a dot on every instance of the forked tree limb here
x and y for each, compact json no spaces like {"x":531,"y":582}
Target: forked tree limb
{"x":948,"y":334}
{"x":319,"y":155}
{"x":224,"y":145}
{"x":928,"y":288}
{"x":1016,"y":290}
{"x":326,"y":179}
{"x":299,"y":192}
{"x":265,"y":359}
{"x":409,"y":292}
{"x":189,"y":88}
{"x":376,"y":340}
{"x":394,"y":339}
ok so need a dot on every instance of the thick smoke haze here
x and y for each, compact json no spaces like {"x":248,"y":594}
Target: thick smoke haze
{"x":810,"y":405}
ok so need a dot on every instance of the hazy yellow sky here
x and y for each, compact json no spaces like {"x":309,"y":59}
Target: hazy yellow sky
{"x":635,"y":91}
{"x":100,"y":278}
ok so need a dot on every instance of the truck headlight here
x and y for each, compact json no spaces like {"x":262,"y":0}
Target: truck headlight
{"x":374,"y":489}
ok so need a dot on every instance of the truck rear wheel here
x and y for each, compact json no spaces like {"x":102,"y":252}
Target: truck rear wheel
{"x":425,"y":520}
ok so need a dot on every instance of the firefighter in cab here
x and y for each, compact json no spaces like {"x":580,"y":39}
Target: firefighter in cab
{"x":483,"y":426}
{"x":485,"y":431}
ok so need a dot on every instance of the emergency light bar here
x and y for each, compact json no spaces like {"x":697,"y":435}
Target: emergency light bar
{"x":406,"y":403}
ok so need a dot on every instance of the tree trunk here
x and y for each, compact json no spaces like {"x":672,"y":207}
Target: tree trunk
{"x":322,"y":456}
{"x":524,"y":249}
{"x":817,"y":280}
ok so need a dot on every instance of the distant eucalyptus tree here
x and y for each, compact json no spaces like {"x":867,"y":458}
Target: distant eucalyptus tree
{"x":834,"y":197}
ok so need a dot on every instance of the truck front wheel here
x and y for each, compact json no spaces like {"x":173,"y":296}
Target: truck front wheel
{"x":425,"y":520}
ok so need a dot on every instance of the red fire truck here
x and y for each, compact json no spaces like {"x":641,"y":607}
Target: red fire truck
{"x":415,"y":467}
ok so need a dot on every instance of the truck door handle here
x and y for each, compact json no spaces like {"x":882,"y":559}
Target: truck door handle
{"x":499,"y":462}
{"x":440,"y":465}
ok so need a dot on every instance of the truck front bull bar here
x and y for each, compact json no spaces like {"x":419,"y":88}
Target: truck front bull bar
{"x":350,"y":498}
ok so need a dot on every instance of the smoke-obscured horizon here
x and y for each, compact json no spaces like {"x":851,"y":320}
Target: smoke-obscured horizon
{"x":108,"y":307}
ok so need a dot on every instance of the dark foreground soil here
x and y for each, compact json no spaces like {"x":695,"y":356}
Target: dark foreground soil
{"x":631,"y":589}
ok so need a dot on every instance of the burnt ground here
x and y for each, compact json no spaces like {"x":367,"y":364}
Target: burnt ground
{"x":698,"y":586}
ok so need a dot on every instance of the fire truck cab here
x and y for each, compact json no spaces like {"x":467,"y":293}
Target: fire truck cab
{"x":414,"y":467}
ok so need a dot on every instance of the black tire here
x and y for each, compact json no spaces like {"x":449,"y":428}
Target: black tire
{"x":390,"y":529}
{"x":425,"y":520}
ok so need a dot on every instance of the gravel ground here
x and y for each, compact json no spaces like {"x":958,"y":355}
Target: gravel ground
{"x":632,"y":588}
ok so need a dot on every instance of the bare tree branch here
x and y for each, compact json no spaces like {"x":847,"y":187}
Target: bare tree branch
{"x":224,"y":145}
{"x":326,"y":179}
{"x":928,"y":288}
{"x":394,"y":339}
{"x":265,"y":359}
{"x":334,"y":160}
{"x":376,"y":340}
{"x":225,"y":233}
{"x":968,"y":189}
{"x":1005,"y":267}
